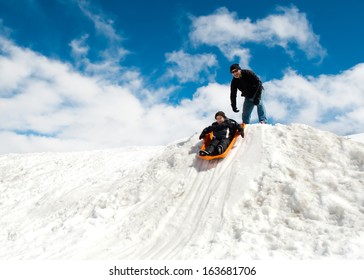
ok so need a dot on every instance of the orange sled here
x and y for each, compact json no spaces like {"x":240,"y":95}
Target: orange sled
{"x":207,"y":141}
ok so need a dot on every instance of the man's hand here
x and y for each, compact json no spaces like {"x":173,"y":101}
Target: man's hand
{"x":234,"y":108}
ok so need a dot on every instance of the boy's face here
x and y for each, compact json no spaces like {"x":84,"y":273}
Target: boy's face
{"x":220,"y":119}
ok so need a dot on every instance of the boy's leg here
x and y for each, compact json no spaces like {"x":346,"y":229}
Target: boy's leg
{"x":211,"y":148}
{"x":248,"y":107}
{"x":223,"y":144}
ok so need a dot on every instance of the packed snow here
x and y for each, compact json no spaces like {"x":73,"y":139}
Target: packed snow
{"x":357,"y":137}
{"x":291,"y":192}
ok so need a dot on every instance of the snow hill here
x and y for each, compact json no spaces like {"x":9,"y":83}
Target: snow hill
{"x":357,"y":137}
{"x":290,"y":192}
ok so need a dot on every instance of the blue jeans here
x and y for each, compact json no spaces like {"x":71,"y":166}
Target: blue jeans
{"x":248,"y":107}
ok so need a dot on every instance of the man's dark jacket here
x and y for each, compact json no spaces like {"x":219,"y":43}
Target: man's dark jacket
{"x":224,"y":130}
{"x":248,"y":83}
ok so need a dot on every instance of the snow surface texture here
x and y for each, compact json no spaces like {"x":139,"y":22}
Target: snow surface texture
{"x":357,"y":137}
{"x":290,"y":192}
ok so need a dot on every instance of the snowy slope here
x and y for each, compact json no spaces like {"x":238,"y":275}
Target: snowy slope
{"x":283,"y":192}
{"x":357,"y":137}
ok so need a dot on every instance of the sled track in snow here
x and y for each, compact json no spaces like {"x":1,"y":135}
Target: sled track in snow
{"x":201,"y":204}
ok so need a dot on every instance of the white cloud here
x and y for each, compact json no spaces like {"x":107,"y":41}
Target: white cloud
{"x":190,"y":68}
{"x":14,"y":142}
{"x":331,"y":102}
{"x":79,"y":47}
{"x":103,"y":24}
{"x":242,"y":54}
{"x":226,"y":31}
{"x":291,"y":26}
{"x":108,"y":62}
{"x":47,"y":105}
{"x":3,"y":29}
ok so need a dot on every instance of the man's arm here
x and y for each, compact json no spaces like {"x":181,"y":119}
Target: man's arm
{"x":233,"y":92}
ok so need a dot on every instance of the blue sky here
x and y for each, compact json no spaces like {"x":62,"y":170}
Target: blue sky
{"x":80,"y":74}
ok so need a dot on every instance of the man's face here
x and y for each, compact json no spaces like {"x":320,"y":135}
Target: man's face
{"x":220,"y":119}
{"x":235,"y":73}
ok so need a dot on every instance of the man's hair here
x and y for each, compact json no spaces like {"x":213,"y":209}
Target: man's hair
{"x":235,"y":66}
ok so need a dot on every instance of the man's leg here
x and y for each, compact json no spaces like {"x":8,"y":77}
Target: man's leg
{"x":248,"y":107}
{"x":261,"y":112}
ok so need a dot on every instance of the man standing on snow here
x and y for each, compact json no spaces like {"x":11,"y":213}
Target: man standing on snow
{"x":251,"y":88}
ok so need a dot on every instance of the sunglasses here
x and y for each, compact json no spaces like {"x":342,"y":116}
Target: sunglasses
{"x":234,"y":71}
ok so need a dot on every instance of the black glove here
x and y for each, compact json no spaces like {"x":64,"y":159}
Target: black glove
{"x":234,"y":108}
{"x":242,"y":133}
{"x":256,"y":101}
{"x":202,"y":136}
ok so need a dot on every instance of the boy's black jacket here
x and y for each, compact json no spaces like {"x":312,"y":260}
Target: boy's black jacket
{"x":226,"y":129}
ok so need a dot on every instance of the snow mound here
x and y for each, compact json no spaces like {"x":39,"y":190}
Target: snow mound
{"x":357,"y":137}
{"x":290,"y":192}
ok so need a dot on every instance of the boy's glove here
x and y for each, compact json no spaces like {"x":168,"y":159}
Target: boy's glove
{"x":202,"y":136}
{"x":242,"y":133}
